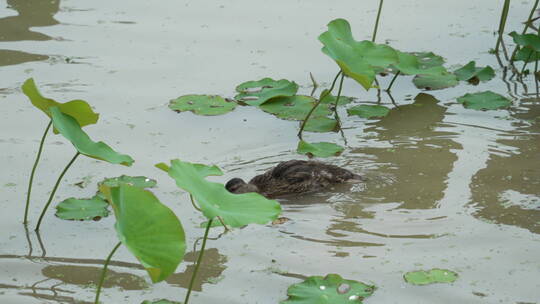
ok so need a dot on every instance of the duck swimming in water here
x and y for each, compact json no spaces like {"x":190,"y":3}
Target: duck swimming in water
{"x":293,"y":176}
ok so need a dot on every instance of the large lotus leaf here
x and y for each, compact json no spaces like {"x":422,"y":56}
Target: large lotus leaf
{"x":428,"y":59}
{"x":527,"y":54}
{"x":320,"y":149}
{"x":82,"y":209}
{"x":530,"y":40}
{"x":369,"y":111}
{"x":71,"y":130}
{"x":332,"y":289}
{"x":255,"y":93}
{"x":202,"y":104}
{"x":435,"y":82}
{"x":357,"y":59}
{"x":236,"y":210}
{"x":471,"y":73}
{"x":78,"y":109}
{"x":294,"y":107}
{"x":410,"y":64}
{"x":431,"y":276}
{"x":149,"y":229}
{"x":321,"y":124}
{"x":484,"y":101}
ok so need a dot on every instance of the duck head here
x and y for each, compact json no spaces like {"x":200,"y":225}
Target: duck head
{"x":238,"y":186}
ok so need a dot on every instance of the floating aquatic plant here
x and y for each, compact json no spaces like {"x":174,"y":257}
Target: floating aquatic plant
{"x":473,"y":74}
{"x":431,"y":276}
{"x":435,"y":82}
{"x":369,"y":111}
{"x":484,"y":101}
{"x":202,"y":104}
{"x":320,"y":149}
{"x":255,"y":93}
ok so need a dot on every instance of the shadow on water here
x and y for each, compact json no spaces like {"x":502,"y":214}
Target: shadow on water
{"x":507,"y":190}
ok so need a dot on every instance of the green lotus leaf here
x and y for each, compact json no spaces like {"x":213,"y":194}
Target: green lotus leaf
{"x":410,"y":64}
{"x":71,"y":130}
{"x":331,"y":99}
{"x":471,"y":73}
{"x":332,"y":289}
{"x":149,"y":229}
{"x":78,"y":109}
{"x":256,"y":93}
{"x":320,"y":149}
{"x":202,"y":104}
{"x":321,"y":124}
{"x":236,"y":210}
{"x":369,"y":111}
{"x":294,"y":107}
{"x":435,"y":82}
{"x":357,"y":59}
{"x":431,"y":276}
{"x":82,"y":209}
{"x":162,"y":301}
{"x":428,"y":59}
{"x":527,"y":54}
{"x":530,"y":40}
{"x":137,"y":181}
{"x":484,"y":101}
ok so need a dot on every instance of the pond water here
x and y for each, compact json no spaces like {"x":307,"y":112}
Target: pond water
{"x":448,"y":187}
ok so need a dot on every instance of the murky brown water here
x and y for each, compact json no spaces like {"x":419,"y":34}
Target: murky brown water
{"x":448,"y":187}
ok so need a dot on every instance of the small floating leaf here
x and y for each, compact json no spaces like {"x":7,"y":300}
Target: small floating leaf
{"x":471,"y":73}
{"x":357,"y":59}
{"x":162,"y":301}
{"x":331,"y":99}
{"x":255,"y":93}
{"x":484,"y":101}
{"x":435,"y":82}
{"x":236,"y":210}
{"x":71,"y":130}
{"x":332,"y":289}
{"x":320,"y":149}
{"x":202,"y":104}
{"x":149,"y":229}
{"x":431,"y":276}
{"x":137,"y":181}
{"x":294,"y":107}
{"x":321,"y":124}
{"x":82,"y":209}
{"x":78,"y":109}
{"x":369,"y":111}
{"x":428,"y":59}
{"x":409,"y":64}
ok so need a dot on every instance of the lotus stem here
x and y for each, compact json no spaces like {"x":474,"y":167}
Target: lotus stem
{"x":199,"y":259}
{"x":326,"y":93}
{"x":392,"y":81}
{"x":33,"y":172}
{"x":104,"y":272}
{"x":336,"y":115}
{"x":502,"y":24}
{"x":193,"y":203}
{"x":315,"y":84}
{"x":377,"y":21}
{"x":54,"y":190}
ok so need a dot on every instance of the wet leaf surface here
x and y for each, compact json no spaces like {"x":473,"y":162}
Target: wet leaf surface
{"x":410,"y":64}
{"x":332,"y":289}
{"x":331,"y":99}
{"x":321,"y":124}
{"x":71,"y":130}
{"x":369,"y":111}
{"x":82,"y":209}
{"x":295,"y":107}
{"x":236,"y":210}
{"x":484,"y":101}
{"x":256,"y":93}
{"x":202,"y":104}
{"x":357,"y":59}
{"x":320,"y":149}
{"x":471,"y":73}
{"x":149,"y":229}
{"x":428,"y":59}
{"x":435,"y":275}
{"x":435,"y":82}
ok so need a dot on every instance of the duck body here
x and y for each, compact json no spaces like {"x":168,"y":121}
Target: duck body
{"x":294,"y":176}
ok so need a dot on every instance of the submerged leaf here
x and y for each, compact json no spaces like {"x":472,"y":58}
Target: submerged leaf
{"x":82,"y":209}
{"x":435,"y":82}
{"x":236,"y":210}
{"x":431,"y":276}
{"x":484,"y":101}
{"x":320,"y":149}
{"x":369,"y":111}
{"x":202,"y":104}
{"x":149,"y":229}
{"x":78,"y":109}
{"x":332,"y":289}
{"x":357,"y":59}
{"x":294,"y":107}
{"x":256,"y":93}
{"x":471,"y":73}
{"x":71,"y":130}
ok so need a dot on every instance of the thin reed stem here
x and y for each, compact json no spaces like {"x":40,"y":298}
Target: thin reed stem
{"x":104,"y":272}
{"x":199,"y":259}
{"x":377,"y":21}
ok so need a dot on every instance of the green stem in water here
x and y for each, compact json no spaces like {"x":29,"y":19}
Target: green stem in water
{"x":502,"y":23}
{"x":104,"y":272}
{"x":54,"y":190}
{"x":323,"y":95}
{"x":34,"y":171}
{"x":377,"y":21}
{"x":199,"y":259}
{"x":337,"y":100}
{"x":392,"y":81}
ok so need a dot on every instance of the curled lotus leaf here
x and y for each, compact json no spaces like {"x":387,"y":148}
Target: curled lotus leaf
{"x":256,"y":93}
{"x":320,"y":149}
{"x":80,"y":110}
{"x":473,"y":74}
{"x":332,"y":289}
{"x":202,"y":104}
